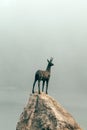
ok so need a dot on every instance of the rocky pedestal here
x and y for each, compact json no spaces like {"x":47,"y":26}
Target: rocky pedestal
{"x":44,"y":113}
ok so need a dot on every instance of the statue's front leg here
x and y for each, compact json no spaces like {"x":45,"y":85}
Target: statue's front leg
{"x":47,"y":87}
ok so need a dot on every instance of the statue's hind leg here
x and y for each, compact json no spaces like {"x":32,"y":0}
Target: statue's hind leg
{"x":33,"y":86}
{"x":39,"y":86}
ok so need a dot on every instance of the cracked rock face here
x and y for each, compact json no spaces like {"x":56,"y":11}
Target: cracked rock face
{"x":44,"y":113}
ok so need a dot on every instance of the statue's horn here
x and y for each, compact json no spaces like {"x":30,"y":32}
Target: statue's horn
{"x":51,"y":59}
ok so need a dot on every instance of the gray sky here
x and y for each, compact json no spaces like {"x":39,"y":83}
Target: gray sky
{"x":32,"y":31}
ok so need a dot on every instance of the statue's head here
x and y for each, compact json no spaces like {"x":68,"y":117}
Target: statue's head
{"x":50,"y":62}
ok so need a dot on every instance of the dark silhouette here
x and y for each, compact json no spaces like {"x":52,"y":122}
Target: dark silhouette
{"x":43,"y":75}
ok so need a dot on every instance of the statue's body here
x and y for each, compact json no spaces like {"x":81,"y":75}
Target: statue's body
{"x":43,"y":75}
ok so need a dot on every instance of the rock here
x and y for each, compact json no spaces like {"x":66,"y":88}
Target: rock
{"x":44,"y":113}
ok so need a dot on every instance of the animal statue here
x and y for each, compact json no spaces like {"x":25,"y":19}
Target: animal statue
{"x":44,"y":76}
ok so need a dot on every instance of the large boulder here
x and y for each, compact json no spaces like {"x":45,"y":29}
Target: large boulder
{"x":42,"y":112}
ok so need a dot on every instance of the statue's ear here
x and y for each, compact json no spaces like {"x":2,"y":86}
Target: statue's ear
{"x":48,"y":61}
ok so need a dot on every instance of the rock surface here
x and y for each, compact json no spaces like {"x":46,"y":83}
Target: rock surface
{"x":44,"y":113}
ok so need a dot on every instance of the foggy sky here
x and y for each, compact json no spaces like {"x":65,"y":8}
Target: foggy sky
{"x":32,"y":31}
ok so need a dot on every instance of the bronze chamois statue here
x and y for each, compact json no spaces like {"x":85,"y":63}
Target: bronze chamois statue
{"x":43,"y":75}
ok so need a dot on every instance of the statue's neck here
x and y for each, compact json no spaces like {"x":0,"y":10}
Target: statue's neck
{"x":48,"y":68}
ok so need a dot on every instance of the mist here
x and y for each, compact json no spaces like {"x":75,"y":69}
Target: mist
{"x":33,"y":31}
